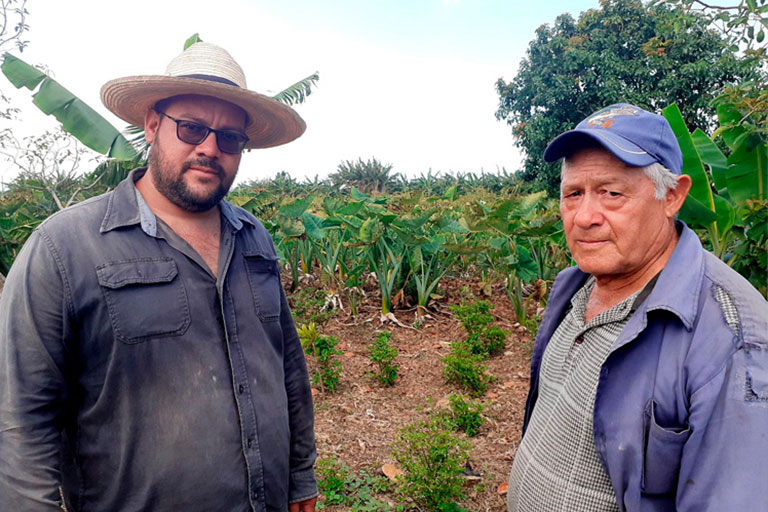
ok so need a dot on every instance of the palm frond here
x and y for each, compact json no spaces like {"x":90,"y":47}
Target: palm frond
{"x":298,"y":92}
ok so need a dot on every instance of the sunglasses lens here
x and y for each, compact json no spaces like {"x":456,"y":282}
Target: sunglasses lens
{"x":191,"y":133}
{"x":231,"y":142}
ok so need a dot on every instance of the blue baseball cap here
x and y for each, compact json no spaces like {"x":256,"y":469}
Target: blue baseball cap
{"x":633,"y":135}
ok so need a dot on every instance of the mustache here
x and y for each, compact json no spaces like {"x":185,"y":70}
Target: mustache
{"x":203,"y":162}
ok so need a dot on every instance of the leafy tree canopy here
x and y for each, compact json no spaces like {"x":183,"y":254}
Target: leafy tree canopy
{"x":650,"y":56}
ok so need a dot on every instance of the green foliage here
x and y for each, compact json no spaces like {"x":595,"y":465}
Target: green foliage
{"x":76,"y":117}
{"x":733,"y":211}
{"x":371,"y":176}
{"x":474,"y":316}
{"x":383,"y":354}
{"x":466,"y":414}
{"x":307,"y":306}
{"x":355,"y":491}
{"x":298,"y":92}
{"x":432,"y":458}
{"x":465,"y":369}
{"x":323,"y":348}
{"x":622,"y":52}
{"x":483,"y":339}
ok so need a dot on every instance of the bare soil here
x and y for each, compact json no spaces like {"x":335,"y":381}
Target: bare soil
{"x":358,"y":422}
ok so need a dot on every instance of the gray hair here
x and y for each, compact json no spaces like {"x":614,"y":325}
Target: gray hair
{"x":663,"y":179}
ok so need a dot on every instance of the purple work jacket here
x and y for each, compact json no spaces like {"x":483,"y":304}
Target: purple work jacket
{"x":681,"y":410}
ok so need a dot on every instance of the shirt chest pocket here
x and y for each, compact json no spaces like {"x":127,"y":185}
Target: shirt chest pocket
{"x":264,"y":279}
{"x":145,"y":297}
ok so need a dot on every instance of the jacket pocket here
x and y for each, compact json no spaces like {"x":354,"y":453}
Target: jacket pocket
{"x":264,"y":279}
{"x":662,"y":452}
{"x":145,"y":298}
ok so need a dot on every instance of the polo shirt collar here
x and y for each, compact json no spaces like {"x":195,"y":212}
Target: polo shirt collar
{"x":126,"y":207}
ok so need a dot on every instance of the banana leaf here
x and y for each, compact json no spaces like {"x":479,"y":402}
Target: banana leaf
{"x":76,"y":117}
{"x":700,"y":195}
{"x":712,"y":156}
{"x":747,"y":176}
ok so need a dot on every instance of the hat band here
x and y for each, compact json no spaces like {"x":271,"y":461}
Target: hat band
{"x":211,"y":78}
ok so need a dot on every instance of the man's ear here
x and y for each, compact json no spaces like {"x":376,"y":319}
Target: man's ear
{"x":151,"y":125}
{"x":676,"y":197}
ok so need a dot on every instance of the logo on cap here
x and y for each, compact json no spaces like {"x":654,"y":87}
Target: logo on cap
{"x":604,"y":118}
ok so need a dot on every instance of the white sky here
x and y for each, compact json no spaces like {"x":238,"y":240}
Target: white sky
{"x":408,"y":82}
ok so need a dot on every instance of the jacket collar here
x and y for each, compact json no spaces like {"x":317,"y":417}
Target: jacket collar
{"x":126,"y":207}
{"x":679,"y":285}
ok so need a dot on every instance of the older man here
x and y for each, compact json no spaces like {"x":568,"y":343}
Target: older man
{"x":649,"y":376}
{"x":148,"y":359}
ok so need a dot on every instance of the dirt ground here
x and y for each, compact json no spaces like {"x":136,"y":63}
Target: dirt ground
{"x":358,"y":422}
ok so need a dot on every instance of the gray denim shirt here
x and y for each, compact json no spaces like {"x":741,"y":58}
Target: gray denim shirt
{"x":136,"y":380}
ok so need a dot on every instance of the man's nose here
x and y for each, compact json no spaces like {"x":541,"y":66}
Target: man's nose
{"x":588,"y":212}
{"x":209,"y":147}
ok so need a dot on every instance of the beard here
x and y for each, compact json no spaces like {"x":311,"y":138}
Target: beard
{"x":174,"y":187}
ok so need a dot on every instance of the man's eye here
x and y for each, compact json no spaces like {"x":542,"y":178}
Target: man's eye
{"x":231,"y":136}
{"x":192,"y":128}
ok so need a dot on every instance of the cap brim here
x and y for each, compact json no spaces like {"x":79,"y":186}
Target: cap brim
{"x":272,"y":123}
{"x":569,"y":142}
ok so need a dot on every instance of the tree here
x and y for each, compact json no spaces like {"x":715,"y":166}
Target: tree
{"x":650,"y":56}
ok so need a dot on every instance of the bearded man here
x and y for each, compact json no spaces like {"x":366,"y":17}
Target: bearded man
{"x":148,"y":358}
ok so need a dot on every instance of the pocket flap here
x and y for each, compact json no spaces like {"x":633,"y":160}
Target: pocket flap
{"x":122,"y":273}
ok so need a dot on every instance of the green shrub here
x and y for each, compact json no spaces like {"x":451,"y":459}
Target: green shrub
{"x":466,"y":414}
{"x":323,"y":348}
{"x":488,"y":342}
{"x":355,"y":491}
{"x":332,"y":477}
{"x":465,"y":369}
{"x":474,"y":316}
{"x":432,"y":458}
{"x":383,"y":353}
{"x":307,"y":306}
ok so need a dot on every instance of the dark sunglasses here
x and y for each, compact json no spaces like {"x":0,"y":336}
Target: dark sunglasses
{"x":195,"y":133}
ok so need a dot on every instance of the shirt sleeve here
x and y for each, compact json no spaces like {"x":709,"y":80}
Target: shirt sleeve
{"x":302,"y":485}
{"x":33,"y":319}
{"x":723,"y":462}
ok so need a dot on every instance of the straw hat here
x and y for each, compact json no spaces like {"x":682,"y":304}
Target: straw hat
{"x":208,"y":70}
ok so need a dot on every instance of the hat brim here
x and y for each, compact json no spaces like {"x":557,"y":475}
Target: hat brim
{"x":271,"y":123}
{"x":571,"y":141}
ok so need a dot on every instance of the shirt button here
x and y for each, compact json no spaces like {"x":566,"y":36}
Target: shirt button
{"x":241,"y":389}
{"x":255,"y":495}
{"x":249,"y":442}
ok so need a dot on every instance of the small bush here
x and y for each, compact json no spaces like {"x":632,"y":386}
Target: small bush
{"x":466,"y":414}
{"x":474,"y":316}
{"x":465,"y":369}
{"x":323,"y":348}
{"x":307,"y":307}
{"x":383,"y":353}
{"x":432,"y":458}
{"x":340,"y":486}
{"x":490,"y":341}
{"x":332,"y":477}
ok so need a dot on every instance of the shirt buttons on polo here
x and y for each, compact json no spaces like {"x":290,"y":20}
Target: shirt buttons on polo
{"x":254,"y":495}
{"x":241,"y":389}
{"x":249,"y":442}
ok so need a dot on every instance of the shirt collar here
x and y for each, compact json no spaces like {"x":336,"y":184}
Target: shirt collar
{"x":126,"y":207}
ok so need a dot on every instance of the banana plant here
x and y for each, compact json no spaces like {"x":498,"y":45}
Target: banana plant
{"x":719,"y":195}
